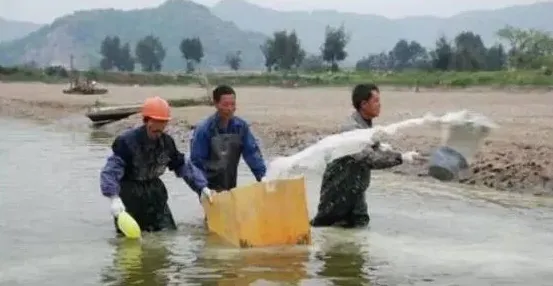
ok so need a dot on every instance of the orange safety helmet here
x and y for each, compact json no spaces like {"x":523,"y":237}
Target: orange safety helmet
{"x":156,"y":108}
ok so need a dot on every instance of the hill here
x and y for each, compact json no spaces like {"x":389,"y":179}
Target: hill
{"x":11,"y":30}
{"x":81,"y":34}
{"x":373,"y":34}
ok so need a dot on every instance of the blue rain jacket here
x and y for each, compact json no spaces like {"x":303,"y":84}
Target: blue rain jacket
{"x":201,"y":144}
{"x":138,"y":158}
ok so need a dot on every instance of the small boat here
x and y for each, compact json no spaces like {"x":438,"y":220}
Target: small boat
{"x":85,"y":91}
{"x":105,"y":115}
{"x":87,"y":87}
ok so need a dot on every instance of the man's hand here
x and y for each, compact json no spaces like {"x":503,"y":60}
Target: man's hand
{"x":264,"y":179}
{"x":117,"y":206}
{"x":207,"y":194}
{"x":411,"y":157}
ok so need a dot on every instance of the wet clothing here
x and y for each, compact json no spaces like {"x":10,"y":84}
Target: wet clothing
{"x":146,"y":202}
{"x":345,"y":180}
{"x":132,"y":172}
{"x":216,"y":151}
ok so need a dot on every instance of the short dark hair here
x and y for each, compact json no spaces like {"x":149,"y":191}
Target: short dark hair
{"x":222,"y":90}
{"x":362,"y":92}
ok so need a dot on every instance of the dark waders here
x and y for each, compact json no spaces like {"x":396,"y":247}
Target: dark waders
{"x":142,"y":191}
{"x":146,"y":202}
{"x":222,"y":166}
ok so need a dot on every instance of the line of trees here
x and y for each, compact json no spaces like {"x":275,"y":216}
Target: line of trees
{"x":526,"y":49}
{"x":466,"y":53}
{"x":521,"y":49}
{"x":284,"y":52}
{"x":149,"y":53}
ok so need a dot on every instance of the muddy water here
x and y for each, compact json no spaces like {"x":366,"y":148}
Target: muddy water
{"x":55,"y":229}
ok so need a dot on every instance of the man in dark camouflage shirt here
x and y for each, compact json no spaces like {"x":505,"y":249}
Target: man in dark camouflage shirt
{"x":345,"y":180}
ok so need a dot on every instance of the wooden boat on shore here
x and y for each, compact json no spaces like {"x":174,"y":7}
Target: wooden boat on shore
{"x":85,"y":87}
{"x":105,"y":115}
{"x":85,"y":91}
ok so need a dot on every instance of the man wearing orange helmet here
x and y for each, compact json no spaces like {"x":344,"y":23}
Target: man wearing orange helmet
{"x":140,"y":156}
{"x":220,"y":140}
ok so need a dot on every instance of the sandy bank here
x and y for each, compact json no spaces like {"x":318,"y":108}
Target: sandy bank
{"x":517,"y":157}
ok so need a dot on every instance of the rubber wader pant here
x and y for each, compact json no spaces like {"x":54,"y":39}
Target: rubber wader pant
{"x":222,"y":165}
{"x":146,"y":202}
{"x":343,"y":198}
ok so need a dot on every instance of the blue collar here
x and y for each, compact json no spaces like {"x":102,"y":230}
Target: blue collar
{"x":217,"y":120}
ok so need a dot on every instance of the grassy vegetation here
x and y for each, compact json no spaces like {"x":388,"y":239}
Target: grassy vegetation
{"x":538,"y":78}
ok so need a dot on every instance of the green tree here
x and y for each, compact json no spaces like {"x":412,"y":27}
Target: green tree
{"x":292,"y":54}
{"x":150,"y":53}
{"x":407,"y":55}
{"x":268,"y":50}
{"x":496,"y":58}
{"x":193,"y":51}
{"x":469,"y":52}
{"x":283,"y":51}
{"x":110,"y":51}
{"x":442,"y":55}
{"x":115,"y":55}
{"x":528,"y":48}
{"x":234,"y":60}
{"x":400,"y":54}
{"x":333,"y":48}
{"x":125,"y":60}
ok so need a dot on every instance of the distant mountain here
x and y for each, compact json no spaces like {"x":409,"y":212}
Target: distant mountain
{"x":81,"y":34}
{"x":233,"y":25}
{"x":373,"y":34}
{"x":11,"y":30}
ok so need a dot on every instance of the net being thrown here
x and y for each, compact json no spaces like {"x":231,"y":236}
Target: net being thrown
{"x":318,"y":155}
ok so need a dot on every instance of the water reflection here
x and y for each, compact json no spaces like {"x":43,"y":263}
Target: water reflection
{"x":99,"y":136}
{"x":344,"y":262}
{"x":283,"y":265}
{"x":137,"y":263}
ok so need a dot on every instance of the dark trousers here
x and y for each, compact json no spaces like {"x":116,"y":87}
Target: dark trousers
{"x":146,"y":202}
{"x":347,"y":210}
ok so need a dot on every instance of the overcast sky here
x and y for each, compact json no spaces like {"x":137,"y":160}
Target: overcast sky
{"x":44,"y":11}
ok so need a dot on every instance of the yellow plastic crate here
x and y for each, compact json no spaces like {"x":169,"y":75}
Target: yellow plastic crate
{"x":261,"y":214}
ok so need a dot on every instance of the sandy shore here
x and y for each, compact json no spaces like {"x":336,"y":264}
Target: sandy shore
{"x":516,"y":157}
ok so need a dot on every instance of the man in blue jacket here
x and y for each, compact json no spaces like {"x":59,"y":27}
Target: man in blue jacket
{"x":220,"y":140}
{"x":130,"y":177}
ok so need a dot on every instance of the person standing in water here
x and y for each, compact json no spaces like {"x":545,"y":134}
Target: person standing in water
{"x":345,"y":179}
{"x":130,"y":177}
{"x":220,"y":140}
